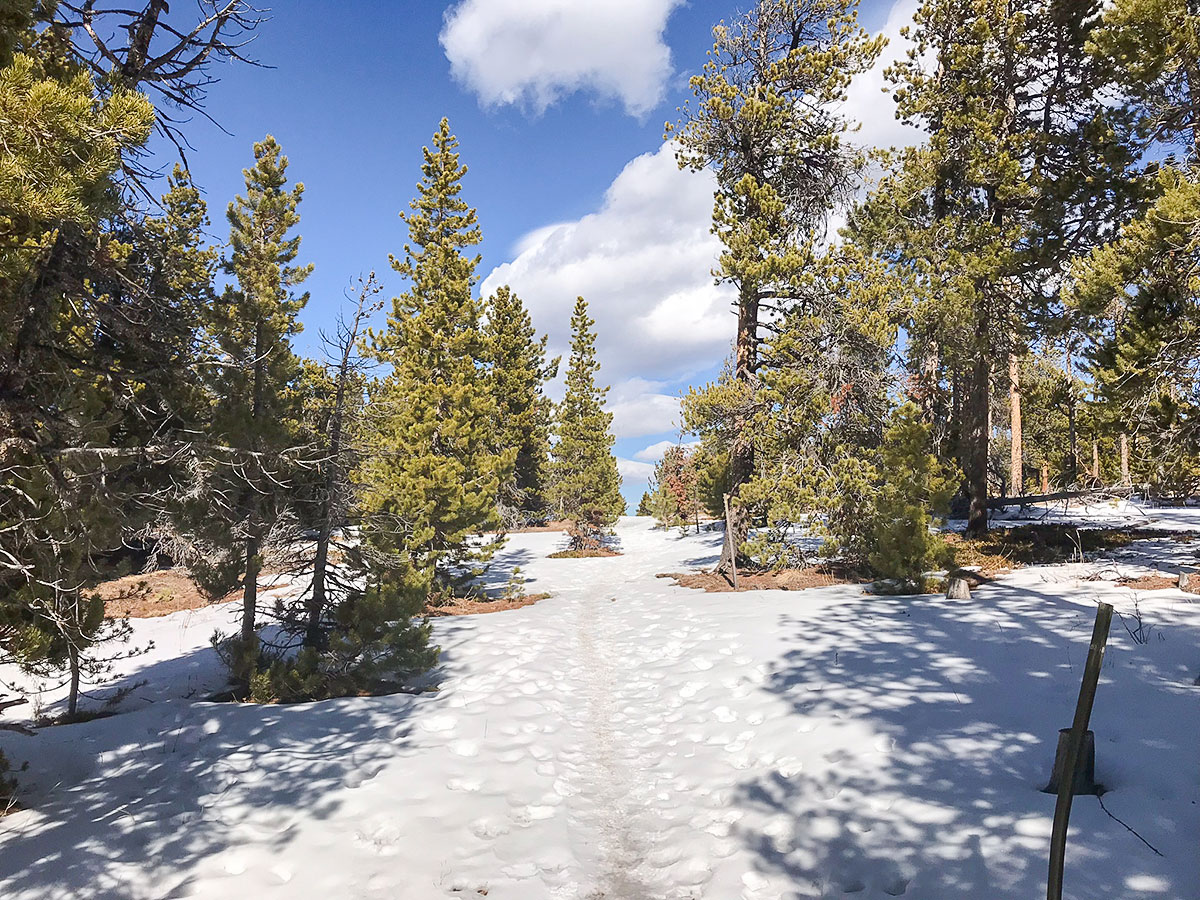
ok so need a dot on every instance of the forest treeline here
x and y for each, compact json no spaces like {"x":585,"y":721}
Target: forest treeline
{"x":1011,"y":306}
{"x":153,"y":403}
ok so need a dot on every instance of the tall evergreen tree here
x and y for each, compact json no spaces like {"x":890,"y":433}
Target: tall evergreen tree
{"x":585,"y":486}
{"x":518,"y":372}
{"x":437,"y":471}
{"x":765,"y":120}
{"x":1141,"y":291}
{"x":253,"y":427}
{"x":1019,"y":172}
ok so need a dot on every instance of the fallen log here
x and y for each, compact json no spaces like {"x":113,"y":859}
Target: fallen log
{"x":1028,"y":500}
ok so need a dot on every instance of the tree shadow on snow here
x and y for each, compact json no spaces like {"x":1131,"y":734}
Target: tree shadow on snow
{"x":952,"y":710}
{"x":145,"y":804}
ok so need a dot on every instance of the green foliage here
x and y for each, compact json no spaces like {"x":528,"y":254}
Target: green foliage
{"x":585,"y":486}
{"x":713,"y":479}
{"x":519,"y":371}
{"x":911,"y":486}
{"x":1151,"y":48}
{"x":1144,"y":288}
{"x":645,"y":506}
{"x":436,"y":471}
{"x":242,"y":499}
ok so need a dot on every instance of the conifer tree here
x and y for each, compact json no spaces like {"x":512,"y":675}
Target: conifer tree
{"x":1019,"y":172}
{"x":253,"y":414}
{"x":1141,"y":291}
{"x":585,"y":486}
{"x":765,"y":120}
{"x":912,"y":485}
{"x":518,"y":372}
{"x":436,"y":471}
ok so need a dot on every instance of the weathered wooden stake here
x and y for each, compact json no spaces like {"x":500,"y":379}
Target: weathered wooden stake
{"x":729,"y":541}
{"x":1125,"y":459}
{"x":1083,"y":712}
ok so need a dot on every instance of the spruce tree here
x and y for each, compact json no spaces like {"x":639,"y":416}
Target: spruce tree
{"x":585,"y":486}
{"x":253,"y":428}
{"x":436,"y":471}
{"x":518,"y":372}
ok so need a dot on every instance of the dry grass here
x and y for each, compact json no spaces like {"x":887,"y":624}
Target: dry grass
{"x":584,"y":554}
{"x":1005,"y":549}
{"x":783,"y":580}
{"x":553,"y":525}
{"x":153,"y":594}
{"x":1150,"y":582}
{"x":470,"y":606}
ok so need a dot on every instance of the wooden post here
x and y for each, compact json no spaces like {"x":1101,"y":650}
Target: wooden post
{"x":729,"y":540}
{"x":1079,"y":727}
{"x":1125,"y":459}
{"x":1095,"y":459}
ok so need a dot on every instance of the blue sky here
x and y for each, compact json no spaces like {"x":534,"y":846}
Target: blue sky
{"x":559,"y":107}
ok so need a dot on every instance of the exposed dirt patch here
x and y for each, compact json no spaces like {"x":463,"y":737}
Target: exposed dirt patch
{"x":153,"y":594}
{"x":470,"y":606}
{"x":584,"y":554}
{"x":783,"y":580}
{"x":1150,"y":582}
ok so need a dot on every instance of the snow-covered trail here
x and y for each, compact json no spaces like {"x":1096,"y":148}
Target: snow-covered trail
{"x":628,"y":739}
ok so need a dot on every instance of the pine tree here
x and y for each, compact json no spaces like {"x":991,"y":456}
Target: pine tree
{"x":436,"y":471}
{"x":765,"y":120}
{"x":585,"y":486}
{"x":1141,"y":291}
{"x":1019,"y":172}
{"x":518,"y":372}
{"x":646,"y":504}
{"x":253,"y":416}
{"x":912,"y":485}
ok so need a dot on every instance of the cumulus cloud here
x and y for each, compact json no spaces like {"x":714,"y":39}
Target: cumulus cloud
{"x":866,"y":102}
{"x":655,"y":452}
{"x":643,"y":262}
{"x":634,"y":472}
{"x":534,"y":52}
{"x":639,"y":408}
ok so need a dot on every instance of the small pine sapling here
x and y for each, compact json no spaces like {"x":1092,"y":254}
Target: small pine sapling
{"x":912,"y":488}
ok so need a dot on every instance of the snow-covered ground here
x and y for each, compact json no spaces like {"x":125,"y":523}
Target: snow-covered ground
{"x":628,"y":739}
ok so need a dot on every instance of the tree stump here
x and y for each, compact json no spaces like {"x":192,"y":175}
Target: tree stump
{"x":1085,"y":769}
{"x":958,"y":585}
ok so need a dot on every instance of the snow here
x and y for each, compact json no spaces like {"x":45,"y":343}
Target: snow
{"x":628,"y":739}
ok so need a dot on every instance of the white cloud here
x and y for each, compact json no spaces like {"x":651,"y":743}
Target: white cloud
{"x":633,"y":472}
{"x":655,"y":452}
{"x":643,"y":262}
{"x":534,"y":52}
{"x":866,"y":102}
{"x":639,"y":408}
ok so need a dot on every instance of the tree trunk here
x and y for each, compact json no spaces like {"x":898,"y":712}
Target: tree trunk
{"x":741,"y":453}
{"x":1045,"y":478}
{"x":316,"y":604}
{"x":1016,"y":462}
{"x":975,"y":457}
{"x":1072,"y":432}
{"x":250,"y":590}
{"x":73,"y":691}
{"x":1125,"y":459}
{"x":1095,"y":459}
